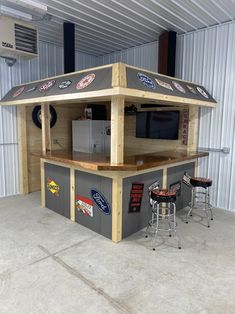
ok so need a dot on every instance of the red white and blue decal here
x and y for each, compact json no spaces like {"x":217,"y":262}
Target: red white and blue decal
{"x":179,"y":87}
{"x":101,"y":202}
{"x":85,"y":205}
{"x":18,"y":92}
{"x":46,"y":86}
{"x":146,"y":81}
{"x":202,"y":92}
{"x":65,"y":84}
{"x":85,"y":81}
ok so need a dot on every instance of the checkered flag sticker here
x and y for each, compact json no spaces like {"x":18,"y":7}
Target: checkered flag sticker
{"x":152,"y":187}
{"x":186,"y":179}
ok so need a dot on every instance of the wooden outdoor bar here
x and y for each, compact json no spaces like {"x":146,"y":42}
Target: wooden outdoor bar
{"x":96,"y":189}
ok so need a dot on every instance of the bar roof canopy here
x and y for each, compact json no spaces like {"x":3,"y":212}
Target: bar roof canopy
{"x":101,"y":83}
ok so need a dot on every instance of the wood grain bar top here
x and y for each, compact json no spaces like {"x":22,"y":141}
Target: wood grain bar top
{"x":131,"y":163}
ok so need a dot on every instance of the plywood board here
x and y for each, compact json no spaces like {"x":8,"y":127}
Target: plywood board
{"x":61,"y":133}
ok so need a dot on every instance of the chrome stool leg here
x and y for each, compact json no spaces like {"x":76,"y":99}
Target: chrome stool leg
{"x":209,"y":204}
{"x":157,"y":227}
{"x":153,"y":219}
{"x":174,"y":228}
{"x":192,"y":204}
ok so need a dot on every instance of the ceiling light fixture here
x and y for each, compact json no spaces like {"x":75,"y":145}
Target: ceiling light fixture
{"x":15,"y":13}
{"x":31,"y":4}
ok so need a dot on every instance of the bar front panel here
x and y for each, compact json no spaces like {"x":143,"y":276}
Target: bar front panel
{"x":93,"y":198}
{"x":57,"y":184}
{"x":136,"y":211}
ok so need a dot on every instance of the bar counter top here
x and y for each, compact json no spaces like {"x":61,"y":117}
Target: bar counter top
{"x":131,"y":163}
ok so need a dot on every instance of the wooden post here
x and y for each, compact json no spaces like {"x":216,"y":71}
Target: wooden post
{"x":117,"y":130}
{"x":119,"y":75}
{"x":164,"y":178}
{"x":117,"y":210}
{"x":72,"y":194}
{"x":193,"y":129}
{"x":46,"y":131}
{"x":23,"y":162}
{"x":43,"y":187}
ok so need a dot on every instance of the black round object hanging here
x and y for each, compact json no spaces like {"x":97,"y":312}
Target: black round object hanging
{"x":36,"y":116}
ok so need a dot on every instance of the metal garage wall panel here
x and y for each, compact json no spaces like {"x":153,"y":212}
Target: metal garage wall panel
{"x":144,"y":56}
{"x":207,"y":57}
{"x":49,"y":63}
{"x":84,"y":61}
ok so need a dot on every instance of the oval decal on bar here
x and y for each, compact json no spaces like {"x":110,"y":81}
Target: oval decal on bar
{"x":18,"y":92}
{"x":85,"y":81}
{"x":146,"y":81}
{"x":101,"y":202}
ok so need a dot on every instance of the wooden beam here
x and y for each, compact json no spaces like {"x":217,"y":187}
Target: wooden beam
{"x":43,"y":186}
{"x":72,"y":194}
{"x":23,"y":162}
{"x":164,"y":178}
{"x":193,"y":129}
{"x":46,"y":131}
{"x":119,"y":75}
{"x":117,"y":130}
{"x":117,"y":210}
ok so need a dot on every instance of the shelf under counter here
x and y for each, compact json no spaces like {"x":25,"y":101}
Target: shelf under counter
{"x":100,"y":162}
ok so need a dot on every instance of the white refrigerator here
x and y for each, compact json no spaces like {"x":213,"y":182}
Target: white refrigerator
{"x":91,"y":136}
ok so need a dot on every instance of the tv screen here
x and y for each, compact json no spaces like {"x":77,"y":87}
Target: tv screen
{"x":157,"y":125}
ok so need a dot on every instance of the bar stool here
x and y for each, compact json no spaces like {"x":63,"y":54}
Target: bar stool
{"x":163,"y":210}
{"x":200,"y":197}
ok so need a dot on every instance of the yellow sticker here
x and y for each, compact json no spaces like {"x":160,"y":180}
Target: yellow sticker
{"x":53,"y":187}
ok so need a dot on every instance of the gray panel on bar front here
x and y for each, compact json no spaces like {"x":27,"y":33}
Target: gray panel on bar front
{"x":133,"y":222}
{"x":58,"y":202}
{"x":100,"y":222}
{"x":175,"y":174}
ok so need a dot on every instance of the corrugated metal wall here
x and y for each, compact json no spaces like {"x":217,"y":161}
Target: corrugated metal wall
{"x":49,"y":63}
{"x":144,"y":56}
{"x":207,"y":57}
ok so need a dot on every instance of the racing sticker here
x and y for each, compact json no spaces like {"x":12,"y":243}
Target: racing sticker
{"x":176,"y":187}
{"x":101,"y":202}
{"x":146,"y":81}
{"x":31,"y":89}
{"x":179,"y":87}
{"x":53,"y":187}
{"x":154,"y":186}
{"x":18,"y":92}
{"x":185,"y":127}
{"x":191,"y":89}
{"x":164,"y":84}
{"x":186,"y":179}
{"x":202,"y":92}
{"x":46,"y":86}
{"x":85,"y":205}
{"x":136,"y":195}
{"x":65,"y":84}
{"x":85,"y":81}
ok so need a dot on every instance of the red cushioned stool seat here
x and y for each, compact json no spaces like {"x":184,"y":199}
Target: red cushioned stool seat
{"x":163,"y":196}
{"x":202,"y":182}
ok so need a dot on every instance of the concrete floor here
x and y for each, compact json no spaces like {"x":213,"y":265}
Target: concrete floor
{"x":50,"y":265}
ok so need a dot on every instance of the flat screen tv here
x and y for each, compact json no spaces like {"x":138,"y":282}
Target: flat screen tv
{"x":157,"y":125}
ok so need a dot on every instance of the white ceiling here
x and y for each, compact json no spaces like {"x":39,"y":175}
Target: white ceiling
{"x":103,"y":26}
